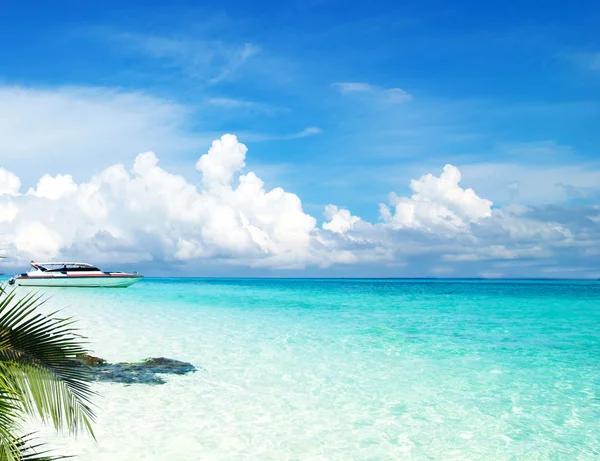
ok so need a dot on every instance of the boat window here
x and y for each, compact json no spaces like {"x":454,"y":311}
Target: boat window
{"x":74,"y":269}
{"x":82,"y":269}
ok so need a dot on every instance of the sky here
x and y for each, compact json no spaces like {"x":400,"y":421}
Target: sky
{"x":315,"y":138}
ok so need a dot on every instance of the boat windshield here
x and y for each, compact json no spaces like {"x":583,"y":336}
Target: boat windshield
{"x":58,"y":267}
{"x":73,"y":269}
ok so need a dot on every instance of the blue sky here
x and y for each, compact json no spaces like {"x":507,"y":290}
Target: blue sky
{"x":338,"y":102}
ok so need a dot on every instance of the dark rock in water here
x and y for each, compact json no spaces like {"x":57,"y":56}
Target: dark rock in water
{"x":145,"y":372}
{"x":90,"y":360}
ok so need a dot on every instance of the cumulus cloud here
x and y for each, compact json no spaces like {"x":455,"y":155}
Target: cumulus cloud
{"x":55,"y":187}
{"x":340,"y":220}
{"x":225,"y":157}
{"x":9,"y":183}
{"x":437,"y":205}
{"x":228,"y":216}
{"x":147,"y":214}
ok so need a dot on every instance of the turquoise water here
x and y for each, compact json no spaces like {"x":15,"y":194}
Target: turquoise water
{"x":348,"y":369}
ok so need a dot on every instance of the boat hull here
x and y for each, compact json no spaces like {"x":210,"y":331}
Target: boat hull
{"x":79,"y":282}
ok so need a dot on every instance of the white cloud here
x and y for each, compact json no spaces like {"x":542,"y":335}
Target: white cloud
{"x":233,"y":220}
{"x":227,"y":215}
{"x":37,"y":239}
{"x":231,"y":103}
{"x":225,"y":157}
{"x":533,"y":184}
{"x":310,"y":131}
{"x":498,"y":252}
{"x":55,"y":187}
{"x":8,"y":212}
{"x":340,"y":220}
{"x":79,"y":130}
{"x":437,"y":205}
{"x":534,"y":173}
{"x":9,"y":183}
{"x":212,"y":61}
{"x":235,"y":60}
{"x":249,"y":106}
{"x":396,"y":95}
{"x":354,"y":87}
{"x":518,"y":227}
{"x":306,"y":132}
{"x":391,"y":95}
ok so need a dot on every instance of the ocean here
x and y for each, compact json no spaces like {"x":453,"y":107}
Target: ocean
{"x":309,"y":369}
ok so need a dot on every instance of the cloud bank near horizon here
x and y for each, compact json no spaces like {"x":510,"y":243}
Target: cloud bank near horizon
{"x":147,"y":214}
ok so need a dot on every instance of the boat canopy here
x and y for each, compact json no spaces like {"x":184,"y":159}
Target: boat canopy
{"x":44,"y":266}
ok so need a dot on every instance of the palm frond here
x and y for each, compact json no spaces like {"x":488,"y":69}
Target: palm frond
{"x":9,"y":424}
{"x":41,"y":393}
{"x":14,"y":447}
{"x":27,"y":448}
{"x":32,"y":450}
{"x":43,"y":348}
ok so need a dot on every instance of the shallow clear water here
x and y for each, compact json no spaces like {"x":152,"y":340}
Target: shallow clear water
{"x":346,"y":369}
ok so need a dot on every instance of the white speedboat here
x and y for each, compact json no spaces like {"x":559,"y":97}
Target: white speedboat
{"x":65,"y":274}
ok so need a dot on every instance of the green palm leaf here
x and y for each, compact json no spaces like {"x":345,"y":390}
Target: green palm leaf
{"x":38,"y":376}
